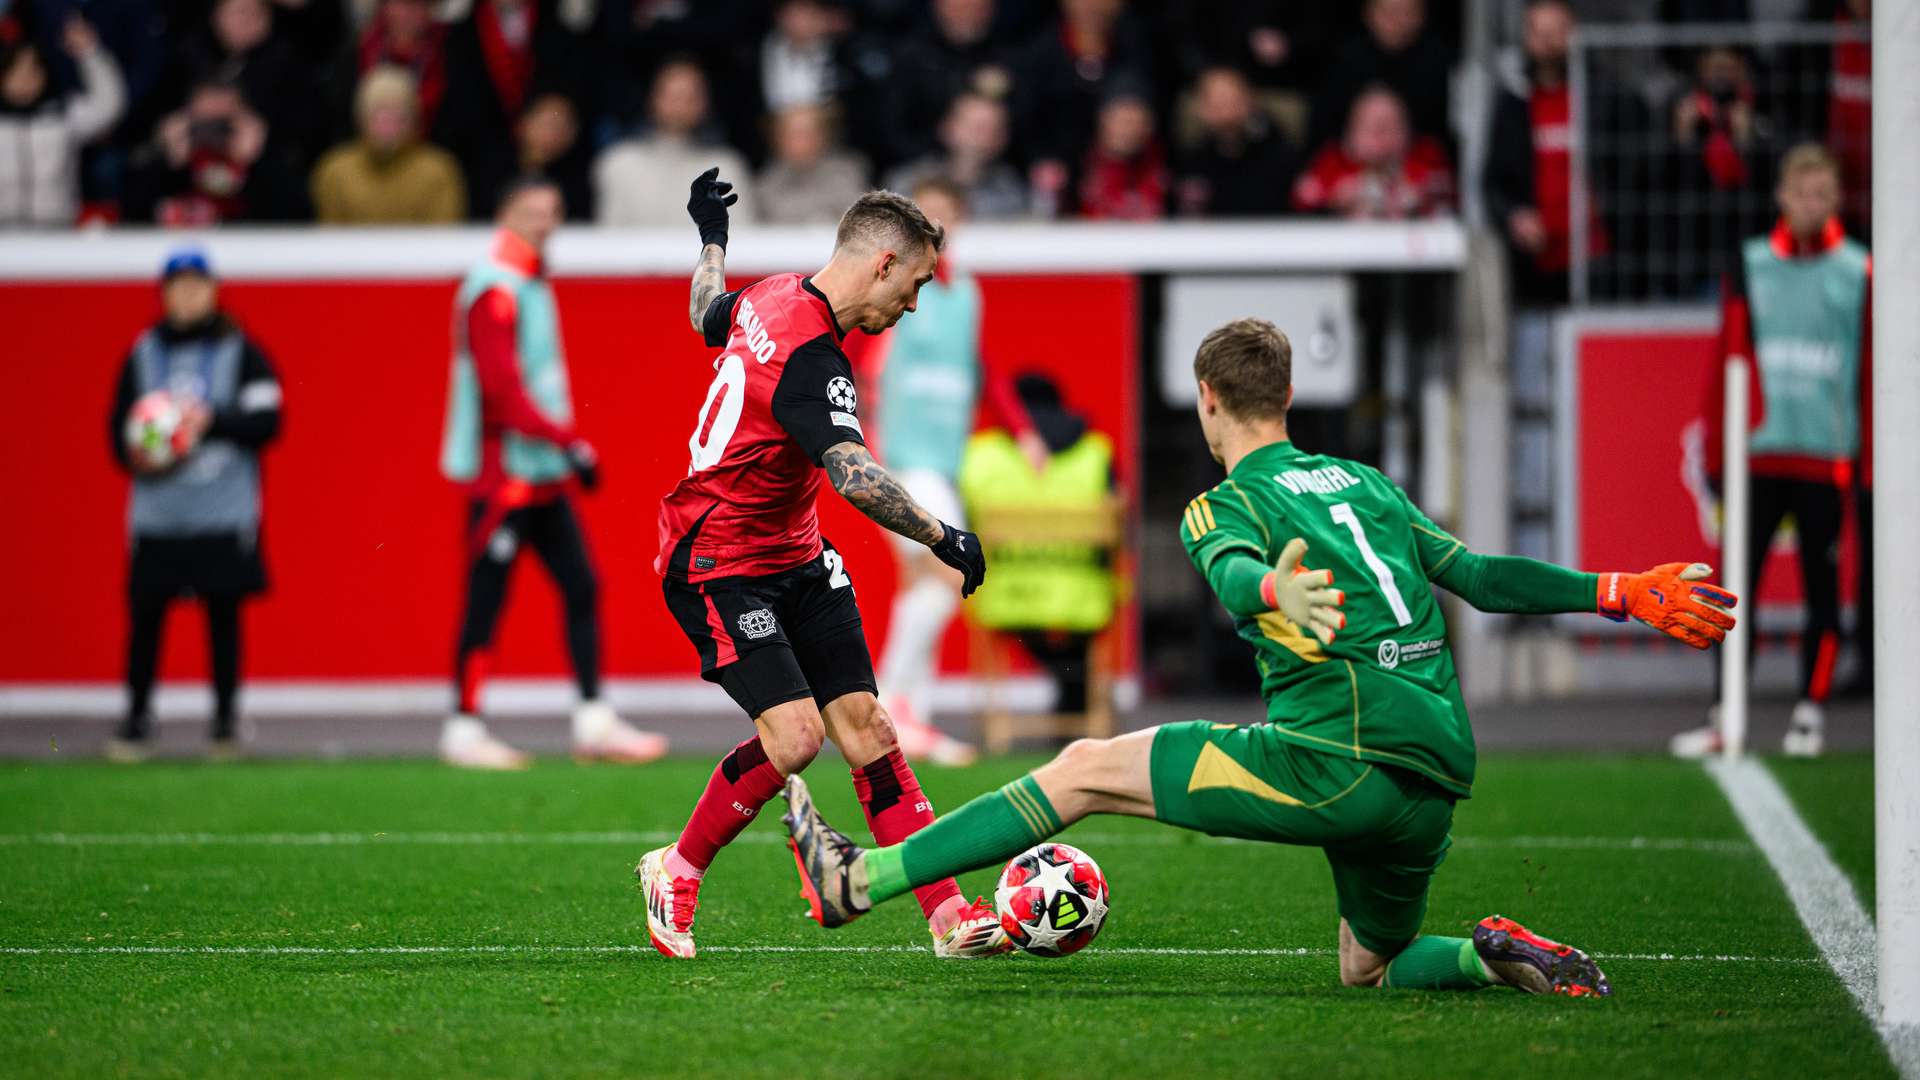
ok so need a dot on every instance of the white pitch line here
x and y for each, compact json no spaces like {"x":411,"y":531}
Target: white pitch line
{"x":641,"y":838}
{"x":642,"y":950}
{"x":1822,"y":896}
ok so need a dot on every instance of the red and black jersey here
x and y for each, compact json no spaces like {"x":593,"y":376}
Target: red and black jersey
{"x":782,"y":394}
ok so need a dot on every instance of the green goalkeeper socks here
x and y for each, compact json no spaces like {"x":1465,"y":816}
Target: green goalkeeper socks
{"x":1438,"y":963}
{"x":991,"y":829}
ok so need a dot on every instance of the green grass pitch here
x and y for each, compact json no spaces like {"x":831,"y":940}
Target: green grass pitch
{"x":396,"y":918}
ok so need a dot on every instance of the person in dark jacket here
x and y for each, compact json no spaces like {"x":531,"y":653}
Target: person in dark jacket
{"x":194,"y":522}
{"x":956,"y":54}
{"x":1241,"y":166}
{"x":1528,"y":181}
{"x":504,"y":56}
{"x":1397,"y":49}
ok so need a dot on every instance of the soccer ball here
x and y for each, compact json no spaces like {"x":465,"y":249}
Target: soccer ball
{"x":1052,"y":900}
{"x":154,"y":432}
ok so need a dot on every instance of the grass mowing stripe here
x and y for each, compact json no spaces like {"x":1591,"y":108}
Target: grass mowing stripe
{"x":1822,"y":896}
{"x":330,"y":839}
{"x":759,"y":1012}
{"x":647,"y":950}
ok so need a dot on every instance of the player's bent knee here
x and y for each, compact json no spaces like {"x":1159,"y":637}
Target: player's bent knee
{"x":792,"y":734}
{"x":860,"y":726}
{"x":1088,"y":764}
{"x":1359,"y":966}
{"x":1364,"y":973}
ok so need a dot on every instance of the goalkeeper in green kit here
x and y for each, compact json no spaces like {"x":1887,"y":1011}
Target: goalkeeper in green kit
{"x":1366,"y":745}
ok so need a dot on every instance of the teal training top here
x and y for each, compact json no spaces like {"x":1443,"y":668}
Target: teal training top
{"x":543,"y":369}
{"x":930,"y":381}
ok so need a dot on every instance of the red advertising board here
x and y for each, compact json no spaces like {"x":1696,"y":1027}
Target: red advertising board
{"x":1635,"y":388}
{"x":361,"y":533}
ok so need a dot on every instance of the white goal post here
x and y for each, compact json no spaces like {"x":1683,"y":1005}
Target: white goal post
{"x":1734,"y":511}
{"x":1896,"y":449}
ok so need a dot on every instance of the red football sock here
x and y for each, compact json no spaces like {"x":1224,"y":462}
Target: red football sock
{"x":741,"y":784}
{"x":473,"y":676}
{"x":896,"y":809}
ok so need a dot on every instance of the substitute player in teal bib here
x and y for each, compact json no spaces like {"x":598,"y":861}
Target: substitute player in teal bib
{"x":1366,"y":746}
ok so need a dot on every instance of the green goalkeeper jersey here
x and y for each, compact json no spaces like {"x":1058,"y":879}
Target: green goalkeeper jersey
{"x":1385,"y":690}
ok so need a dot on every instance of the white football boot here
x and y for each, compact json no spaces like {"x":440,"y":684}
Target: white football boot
{"x":924,"y":742}
{"x":1806,"y":731}
{"x":671,"y":902}
{"x":600,"y":735}
{"x":126,"y":751}
{"x":466,"y":743}
{"x":977,"y":934}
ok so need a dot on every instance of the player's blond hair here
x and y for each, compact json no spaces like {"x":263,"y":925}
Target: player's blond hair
{"x":1249,"y":364}
{"x":888,"y":219}
{"x":1807,"y":157}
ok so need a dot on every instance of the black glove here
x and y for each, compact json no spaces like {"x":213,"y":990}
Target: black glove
{"x":960,"y":549}
{"x":585,"y":462}
{"x":707,"y":205}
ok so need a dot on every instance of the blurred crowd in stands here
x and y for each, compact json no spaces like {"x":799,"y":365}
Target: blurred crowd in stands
{"x":193,"y":112}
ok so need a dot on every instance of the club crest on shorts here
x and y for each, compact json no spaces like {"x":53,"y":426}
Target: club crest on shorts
{"x":758,"y":624}
{"x":840,"y":391}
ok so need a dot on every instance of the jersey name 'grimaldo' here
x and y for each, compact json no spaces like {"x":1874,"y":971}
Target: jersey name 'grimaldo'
{"x":782,"y":394}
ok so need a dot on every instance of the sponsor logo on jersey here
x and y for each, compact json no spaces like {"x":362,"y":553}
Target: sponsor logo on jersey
{"x":748,"y":320}
{"x":840,"y":391}
{"x":1392,"y":653}
{"x":847,"y":420}
{"x":1799,"y":358}
{"x":758,"y":624}
{"x":1327,"y":480}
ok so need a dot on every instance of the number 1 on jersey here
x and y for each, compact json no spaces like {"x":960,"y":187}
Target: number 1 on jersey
{"x":1343,"y":513}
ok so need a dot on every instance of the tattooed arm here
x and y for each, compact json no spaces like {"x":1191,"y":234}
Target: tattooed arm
{"x":709,"y":281}
{"x":874,"y":492}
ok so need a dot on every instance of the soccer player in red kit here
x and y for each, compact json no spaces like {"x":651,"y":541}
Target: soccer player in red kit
{"x":765,"y":599}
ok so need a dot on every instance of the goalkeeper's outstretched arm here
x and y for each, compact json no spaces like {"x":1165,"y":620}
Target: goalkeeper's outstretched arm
{"x":1673,"y":598}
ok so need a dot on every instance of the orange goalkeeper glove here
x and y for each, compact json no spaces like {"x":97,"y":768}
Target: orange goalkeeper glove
{"x":1668,"y":599}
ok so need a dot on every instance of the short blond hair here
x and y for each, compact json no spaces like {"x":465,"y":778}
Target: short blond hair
{"x":888,"y":219}
{"x":1807,"y":157}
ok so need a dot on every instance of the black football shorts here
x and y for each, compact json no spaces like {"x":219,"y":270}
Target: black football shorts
{"x":774,"y":638}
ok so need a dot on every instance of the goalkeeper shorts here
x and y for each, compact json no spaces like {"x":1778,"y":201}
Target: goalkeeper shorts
{"x":1384,"y":830}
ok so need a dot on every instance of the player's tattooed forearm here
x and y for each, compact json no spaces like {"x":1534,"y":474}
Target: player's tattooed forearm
{"x":874,"y":492}
{"x":709,"y":281}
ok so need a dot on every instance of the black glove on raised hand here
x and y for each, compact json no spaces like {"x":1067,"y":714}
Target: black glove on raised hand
{"x":960,"y":549}
{"x":585,"y":462}
{"x":707,"y":205}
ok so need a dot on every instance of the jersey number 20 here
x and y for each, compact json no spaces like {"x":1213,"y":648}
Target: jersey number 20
{"x":710,"y":438}
{"x":1343,"y":513}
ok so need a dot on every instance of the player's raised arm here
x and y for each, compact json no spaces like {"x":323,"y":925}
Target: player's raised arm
{"x":873,"y":491}
{"x":707,"y":205}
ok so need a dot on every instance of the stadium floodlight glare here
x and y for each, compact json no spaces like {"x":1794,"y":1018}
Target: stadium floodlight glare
{"x":1896,"y":447}
{"x":1734,"y":508}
